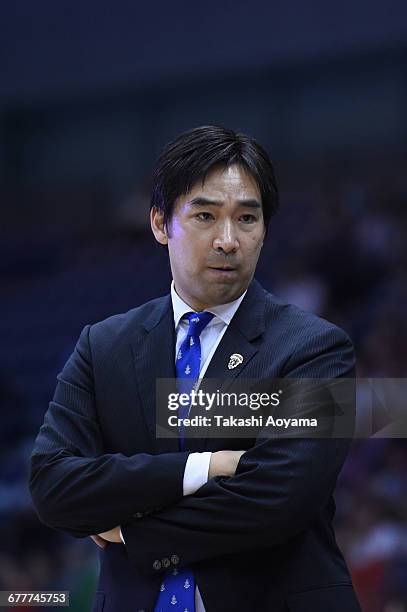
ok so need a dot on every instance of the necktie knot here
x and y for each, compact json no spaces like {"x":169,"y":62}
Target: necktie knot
{"x":197,"y":322}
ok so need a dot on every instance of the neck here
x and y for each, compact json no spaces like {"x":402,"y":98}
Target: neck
{"x":197,"y":306}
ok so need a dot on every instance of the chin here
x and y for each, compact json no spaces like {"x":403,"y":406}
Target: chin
{"x":224,"y":293}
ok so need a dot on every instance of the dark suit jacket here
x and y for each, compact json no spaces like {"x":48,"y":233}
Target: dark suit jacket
{"x":261,"y":540}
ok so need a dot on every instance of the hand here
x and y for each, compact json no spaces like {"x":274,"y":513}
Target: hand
{"x":113,"y":535}
{"x":224,"y":463}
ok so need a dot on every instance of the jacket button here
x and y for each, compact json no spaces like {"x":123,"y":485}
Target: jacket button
{"x":165,"y":562}
{"x":174,"y":559}
{"x":157,"y":564}
{"x":138,"y":515}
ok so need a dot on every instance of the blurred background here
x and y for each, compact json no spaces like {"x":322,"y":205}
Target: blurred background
{"x":89,"y":94}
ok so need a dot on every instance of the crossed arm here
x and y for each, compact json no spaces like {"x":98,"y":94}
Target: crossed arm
{"x":221,"y":463}
{"x":279,"y":487}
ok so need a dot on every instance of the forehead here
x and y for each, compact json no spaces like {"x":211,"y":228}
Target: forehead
{"x":231,"y":182}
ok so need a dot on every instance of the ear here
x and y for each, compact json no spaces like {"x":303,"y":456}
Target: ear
{"x":158,"y":226}
{"x":265,"y":233}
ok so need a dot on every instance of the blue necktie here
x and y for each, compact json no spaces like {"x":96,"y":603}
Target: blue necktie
{"x":177,"y":591}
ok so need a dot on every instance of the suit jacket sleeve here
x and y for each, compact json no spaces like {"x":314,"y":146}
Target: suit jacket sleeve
{"x":75,"y":486}
{"x":280,"y":485}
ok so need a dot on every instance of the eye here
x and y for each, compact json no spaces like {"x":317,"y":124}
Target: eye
{"x":248,"y":218}
{"x":204,"y":216}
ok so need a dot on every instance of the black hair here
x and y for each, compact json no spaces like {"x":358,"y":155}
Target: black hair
{"x":190,"y":157}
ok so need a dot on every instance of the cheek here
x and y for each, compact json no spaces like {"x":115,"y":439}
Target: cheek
{"x":253,"y":245}
{"x":186,"y":256}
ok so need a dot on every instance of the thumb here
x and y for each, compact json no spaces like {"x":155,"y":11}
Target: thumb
{"x":99,"y":541}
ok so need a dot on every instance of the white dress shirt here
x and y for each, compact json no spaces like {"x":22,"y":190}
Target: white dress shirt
{"x":197,"y":465}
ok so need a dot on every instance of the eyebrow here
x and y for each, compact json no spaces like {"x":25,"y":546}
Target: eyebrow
{"x":202,"y":201}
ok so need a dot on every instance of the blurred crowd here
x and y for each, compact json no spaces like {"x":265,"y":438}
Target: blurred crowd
{"x":338,"y":247}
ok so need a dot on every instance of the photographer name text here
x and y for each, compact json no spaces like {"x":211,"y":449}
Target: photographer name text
{"x":219,"y":420}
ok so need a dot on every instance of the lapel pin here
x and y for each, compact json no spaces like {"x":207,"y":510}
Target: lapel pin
{"x":235,"y":360}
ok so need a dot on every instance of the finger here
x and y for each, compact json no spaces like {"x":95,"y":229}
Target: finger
{"x":99,"y":541}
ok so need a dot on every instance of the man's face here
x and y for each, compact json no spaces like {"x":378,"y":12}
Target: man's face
{"x":214,"y":237}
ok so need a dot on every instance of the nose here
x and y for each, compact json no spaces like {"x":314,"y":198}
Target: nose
{"x":226,"y":239}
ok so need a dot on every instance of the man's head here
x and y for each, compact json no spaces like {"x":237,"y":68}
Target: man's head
{"x":214,"y":192}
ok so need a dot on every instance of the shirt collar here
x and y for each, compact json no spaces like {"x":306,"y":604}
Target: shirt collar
{"x":224,"y":312}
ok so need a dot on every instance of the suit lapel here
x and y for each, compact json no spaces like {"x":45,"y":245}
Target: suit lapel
{"x":247,"y":325}
{"x":154,"y":358}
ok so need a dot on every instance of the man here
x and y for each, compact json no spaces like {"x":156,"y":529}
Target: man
{"x":248,"y":531}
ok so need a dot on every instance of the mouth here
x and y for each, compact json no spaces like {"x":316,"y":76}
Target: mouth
{"x":223,"y":271}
